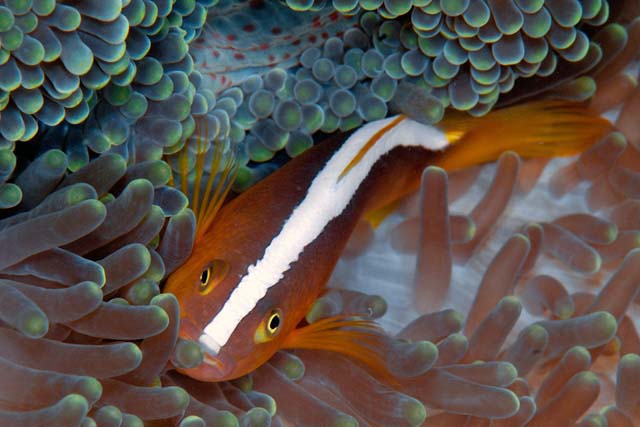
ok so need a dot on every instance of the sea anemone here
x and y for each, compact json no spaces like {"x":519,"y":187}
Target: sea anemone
{"x":151,"y":70}
{"x":470,"y":52}
{"x":556,"y":299}
{"x":58,"y":54}
{"x":519,"y":311}
{"x":80,"y":267}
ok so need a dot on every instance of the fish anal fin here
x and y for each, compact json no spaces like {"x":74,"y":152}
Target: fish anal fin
{"x":376,"y":216}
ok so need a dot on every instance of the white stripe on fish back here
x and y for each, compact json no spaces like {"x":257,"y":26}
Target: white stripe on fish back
{"x":326,"y":198}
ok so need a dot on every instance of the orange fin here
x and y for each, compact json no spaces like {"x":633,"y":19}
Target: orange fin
{"x":547,"y":128}
{"x":376,"y":216}
{"x":206,"y":188}
{"x":359,"y":339}
{"x":376,"y":136}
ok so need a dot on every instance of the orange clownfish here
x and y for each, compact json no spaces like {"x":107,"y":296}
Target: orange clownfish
{"x":256,"y":270}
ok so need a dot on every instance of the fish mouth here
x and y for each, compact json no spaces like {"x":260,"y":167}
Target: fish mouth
{"x":209,"y":344}
{"x":215,"y":366}
{"x":189,"y":330}
{"x":212,"y":369}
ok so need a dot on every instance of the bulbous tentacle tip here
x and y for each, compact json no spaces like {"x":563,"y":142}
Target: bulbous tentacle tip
{"x":255,"y":417}
{"x":411,"y":359}
{"x":192,"y":421}
{"x":343,"y":420}
{"x":187,"y":354}
{"x":414,"y":412}
{"x":33,"y":324}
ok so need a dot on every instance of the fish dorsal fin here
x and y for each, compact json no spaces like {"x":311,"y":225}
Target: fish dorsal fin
{"x":370,"y":143}
{"x":206,"y":170}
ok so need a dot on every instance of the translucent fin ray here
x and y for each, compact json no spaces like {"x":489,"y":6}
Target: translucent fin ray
{"x":207,"y":190}
{"x":359,"y":339}
{"x":546,"y":128}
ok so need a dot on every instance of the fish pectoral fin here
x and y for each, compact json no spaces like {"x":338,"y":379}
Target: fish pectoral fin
{"x":359,"y":339}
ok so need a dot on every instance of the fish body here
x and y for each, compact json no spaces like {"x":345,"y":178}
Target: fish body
{"x":256,"y":270}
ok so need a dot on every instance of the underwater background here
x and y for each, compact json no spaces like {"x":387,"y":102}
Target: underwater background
{"x":533,"y":319}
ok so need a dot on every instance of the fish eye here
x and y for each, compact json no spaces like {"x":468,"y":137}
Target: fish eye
{"x":273,"y":323}
{"x":211,"y":275}
{"x":204,"y":277}
{"x":269,"y":326}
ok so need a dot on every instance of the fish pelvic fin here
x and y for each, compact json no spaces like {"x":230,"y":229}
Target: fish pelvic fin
{"x":206,"y":170}
{"x":359,"y":339}
{"x":546,"y":128}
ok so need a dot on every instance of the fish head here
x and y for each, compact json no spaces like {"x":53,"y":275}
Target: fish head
{"x":219,"y":280}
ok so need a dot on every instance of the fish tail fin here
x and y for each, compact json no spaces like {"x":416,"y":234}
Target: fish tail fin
{"x":359,"y":339}
{"x":546,"y":128}
{"x":206,"y":169}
